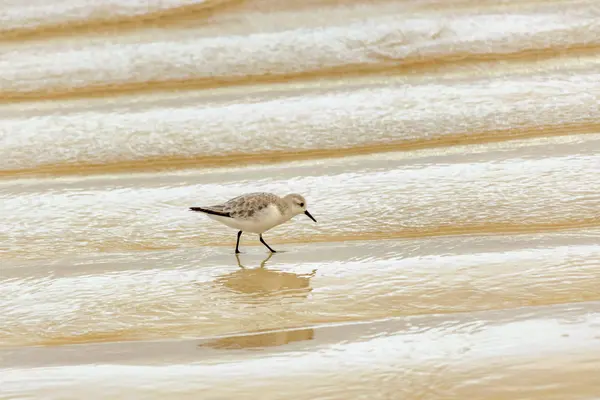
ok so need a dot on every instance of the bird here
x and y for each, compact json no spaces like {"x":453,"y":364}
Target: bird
{"x":256,"y":213}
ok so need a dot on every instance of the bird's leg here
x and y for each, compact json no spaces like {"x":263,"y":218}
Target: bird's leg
{"x":237,"y":245}
{"x":265,"y":243}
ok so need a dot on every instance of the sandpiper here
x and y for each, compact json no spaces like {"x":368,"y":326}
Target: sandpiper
{"x":256,"y":213}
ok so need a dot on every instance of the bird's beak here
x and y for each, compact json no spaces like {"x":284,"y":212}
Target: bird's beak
{"x":309,"y":216}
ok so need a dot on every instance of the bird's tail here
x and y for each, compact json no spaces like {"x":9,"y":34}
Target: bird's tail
{"x":211,"y":210}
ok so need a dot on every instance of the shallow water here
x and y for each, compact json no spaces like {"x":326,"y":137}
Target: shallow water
{"x":449,"y":151}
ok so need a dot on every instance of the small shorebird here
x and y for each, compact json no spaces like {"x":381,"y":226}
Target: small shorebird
{"x":256,"y":213}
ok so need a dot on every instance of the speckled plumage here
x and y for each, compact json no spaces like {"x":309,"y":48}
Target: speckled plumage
{"x":249,"y":205}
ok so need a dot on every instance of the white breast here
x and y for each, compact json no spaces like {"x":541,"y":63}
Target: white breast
{"x":268,"y":218}
{"x":261,"y":222}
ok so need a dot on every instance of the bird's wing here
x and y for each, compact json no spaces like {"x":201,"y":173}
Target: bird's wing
{"x":244,"y":206}
{"x":249,"y":204}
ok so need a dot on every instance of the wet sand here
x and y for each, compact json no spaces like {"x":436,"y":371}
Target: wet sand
{"x":449,"y":150}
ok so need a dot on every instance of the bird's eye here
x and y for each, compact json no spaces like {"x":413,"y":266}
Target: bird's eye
{"x":301,"y":204}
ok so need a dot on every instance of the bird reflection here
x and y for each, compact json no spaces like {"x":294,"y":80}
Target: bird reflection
{"x":258,"y":285}
{"x":258,"y":340}
{"x":263,"y":282}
